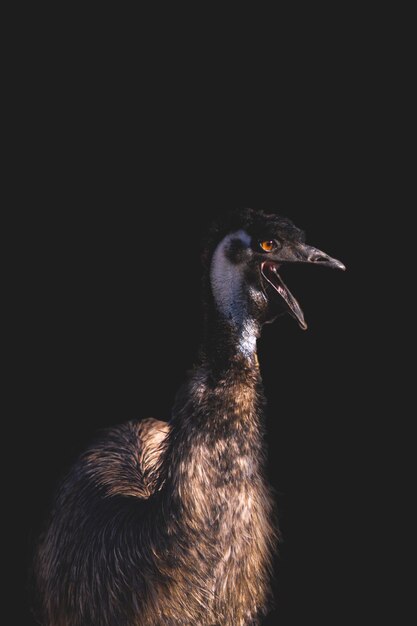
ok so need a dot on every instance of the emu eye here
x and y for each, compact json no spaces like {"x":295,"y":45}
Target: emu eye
{"x":268,"y":246}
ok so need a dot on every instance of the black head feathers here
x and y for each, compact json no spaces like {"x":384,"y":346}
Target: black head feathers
{"x":257,"y":223}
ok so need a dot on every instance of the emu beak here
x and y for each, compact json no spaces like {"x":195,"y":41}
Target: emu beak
{"x":308,"y":254}
{"x":296,"y":253}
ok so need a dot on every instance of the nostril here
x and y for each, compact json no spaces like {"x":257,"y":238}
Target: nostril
{"x":313,"y":255}
{"x":319,"y":258}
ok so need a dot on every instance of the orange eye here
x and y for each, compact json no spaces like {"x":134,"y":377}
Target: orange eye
{"x":267,"y":246}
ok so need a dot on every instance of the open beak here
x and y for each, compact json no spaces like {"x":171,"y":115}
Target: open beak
{"x":297,"y":253}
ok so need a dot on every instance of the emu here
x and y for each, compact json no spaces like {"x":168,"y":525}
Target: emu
{"x":172,"y":523}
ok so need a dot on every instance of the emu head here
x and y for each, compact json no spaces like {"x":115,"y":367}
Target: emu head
{"x":244,"y":257}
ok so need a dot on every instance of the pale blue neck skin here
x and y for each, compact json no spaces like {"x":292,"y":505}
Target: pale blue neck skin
{"x":231,"y":294}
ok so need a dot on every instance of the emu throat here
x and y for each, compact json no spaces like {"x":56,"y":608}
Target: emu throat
{"x":230,"y":294}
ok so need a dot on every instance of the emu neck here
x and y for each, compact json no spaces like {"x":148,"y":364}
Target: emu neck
{"x":217,"y":414}
{"x":216,"y":436}
{"x":229,"y":343}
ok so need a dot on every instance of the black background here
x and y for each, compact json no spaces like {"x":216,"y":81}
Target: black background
{"x":118,"y":191}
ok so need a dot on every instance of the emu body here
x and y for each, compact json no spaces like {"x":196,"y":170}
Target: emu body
{"x":200,"y":551}
{"x":171,"y":523}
